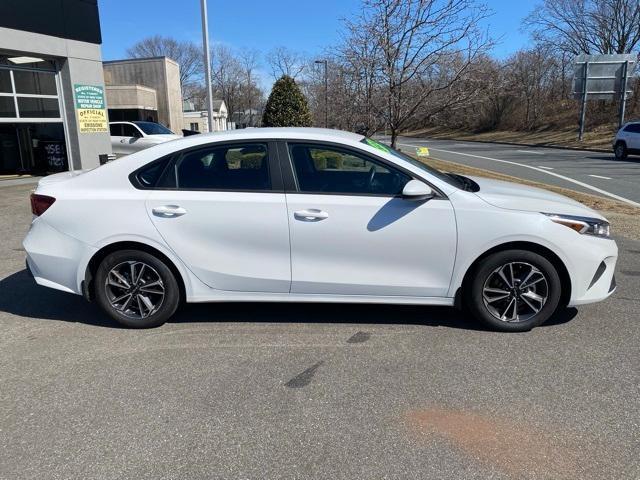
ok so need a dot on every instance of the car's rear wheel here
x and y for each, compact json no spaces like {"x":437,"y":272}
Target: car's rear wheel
{"x":136,"y":289}
{"x":514,"y":290}
{"x":620,"y":151}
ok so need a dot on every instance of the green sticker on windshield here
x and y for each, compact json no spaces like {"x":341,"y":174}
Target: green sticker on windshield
{"x":374,"y":144}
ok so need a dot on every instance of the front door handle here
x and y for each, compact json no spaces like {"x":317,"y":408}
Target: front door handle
{"x":168,"y":211}
{"x":310,"y":215}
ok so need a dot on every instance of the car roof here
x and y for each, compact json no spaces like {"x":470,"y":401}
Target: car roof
{"x":284,"y":132}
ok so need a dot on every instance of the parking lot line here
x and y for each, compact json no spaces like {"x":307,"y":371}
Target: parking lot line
{"x":531,"y":151}
{"x":600,"y":176}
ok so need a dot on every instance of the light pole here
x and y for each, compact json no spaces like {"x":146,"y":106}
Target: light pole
{"x":326,"y":93}
{"x":207,"y":62}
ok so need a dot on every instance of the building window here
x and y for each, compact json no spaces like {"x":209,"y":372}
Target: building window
{"x":195,"y":127}
{"x":35,"y":83}
{"x":27,"y":92}
{"x":7,"y":107}
{"x":33,"y":107}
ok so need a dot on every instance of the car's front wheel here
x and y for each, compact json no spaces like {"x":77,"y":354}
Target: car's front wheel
{"x":136,"y":289}
{"x":620,"y":151}
{"x":514,"y":290}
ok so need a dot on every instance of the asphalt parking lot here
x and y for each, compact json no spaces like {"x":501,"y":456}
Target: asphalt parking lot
{"x":255,"y":391}
{"x":596,"y":173}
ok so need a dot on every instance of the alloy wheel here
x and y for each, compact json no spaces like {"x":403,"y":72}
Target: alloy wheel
{"x":515,"y":292}
{"x":134,"y":289}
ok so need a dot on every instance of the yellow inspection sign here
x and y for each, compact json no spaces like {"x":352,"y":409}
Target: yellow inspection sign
{"x":422,"y":151}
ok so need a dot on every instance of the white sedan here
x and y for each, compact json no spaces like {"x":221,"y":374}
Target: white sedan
{"x":311,"y":215}
{"x":130,"y":137}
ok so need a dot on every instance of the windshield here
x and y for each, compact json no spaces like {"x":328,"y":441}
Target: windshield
{"x":151,"y":128}
{"x":455,"y":181}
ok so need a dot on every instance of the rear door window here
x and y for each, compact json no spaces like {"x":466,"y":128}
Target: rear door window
{"x":236,"y":167}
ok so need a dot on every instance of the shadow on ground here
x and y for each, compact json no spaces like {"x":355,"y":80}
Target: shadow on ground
{"x":20,"y":295}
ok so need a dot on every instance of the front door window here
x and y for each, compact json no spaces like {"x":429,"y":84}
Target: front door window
{"x":325,"y":169}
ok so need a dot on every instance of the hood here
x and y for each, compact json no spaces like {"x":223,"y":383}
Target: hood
{"x":514,"y":196}
{"x":164,"y":137}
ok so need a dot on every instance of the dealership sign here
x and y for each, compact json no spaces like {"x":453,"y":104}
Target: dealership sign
{"x":90,"y":106}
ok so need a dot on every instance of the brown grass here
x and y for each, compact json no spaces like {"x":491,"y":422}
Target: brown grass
{"x":624,"y":218}
{"x":598,"y":139}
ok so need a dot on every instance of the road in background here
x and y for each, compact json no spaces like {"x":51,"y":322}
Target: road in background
{"x":584,"y":171}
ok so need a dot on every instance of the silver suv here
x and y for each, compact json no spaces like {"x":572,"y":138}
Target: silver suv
{"x":627,"y":140}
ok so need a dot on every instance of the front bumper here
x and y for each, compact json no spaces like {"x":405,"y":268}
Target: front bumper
{"x":592,"y":271}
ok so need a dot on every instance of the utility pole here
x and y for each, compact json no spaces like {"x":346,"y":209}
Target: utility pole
{"x":326,"y":92}
{"x":207,"y":62}
{"x":585,"y":92}
{"x":623,"y":94}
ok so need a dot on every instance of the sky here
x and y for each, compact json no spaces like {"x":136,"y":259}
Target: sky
{"x":306,"y":26}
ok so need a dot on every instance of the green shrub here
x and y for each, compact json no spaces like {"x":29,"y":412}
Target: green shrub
{"x":286,"y":106}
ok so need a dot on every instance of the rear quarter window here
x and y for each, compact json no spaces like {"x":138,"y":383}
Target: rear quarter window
{"x":148,"y":176}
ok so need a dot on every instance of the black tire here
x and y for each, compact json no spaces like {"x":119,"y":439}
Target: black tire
{"x":152,"y":276}
{"x":488,"y":306}
{"x":620,"y":151}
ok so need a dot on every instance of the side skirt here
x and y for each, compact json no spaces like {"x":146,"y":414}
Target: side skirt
{"x":310,"y":298}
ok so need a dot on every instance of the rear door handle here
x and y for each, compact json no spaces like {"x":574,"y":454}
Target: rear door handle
{"x":169,"y":211}
{"x":310,"y":215}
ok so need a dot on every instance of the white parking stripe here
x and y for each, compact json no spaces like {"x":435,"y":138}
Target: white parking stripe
{"x":567,"y":179}
{"x":546,"y":168}
{"x":531,"y":151}
{"x":600,"y":176}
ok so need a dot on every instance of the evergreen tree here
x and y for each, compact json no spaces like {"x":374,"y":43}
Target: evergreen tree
{"x":286,"y":106}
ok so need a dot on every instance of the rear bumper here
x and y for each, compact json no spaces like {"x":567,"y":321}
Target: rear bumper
{"x":53,"y":258}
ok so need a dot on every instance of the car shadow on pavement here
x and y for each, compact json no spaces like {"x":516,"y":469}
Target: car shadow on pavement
{"x":21,"y":296}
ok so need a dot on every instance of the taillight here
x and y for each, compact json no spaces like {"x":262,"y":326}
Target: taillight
{"x":40,"y":203}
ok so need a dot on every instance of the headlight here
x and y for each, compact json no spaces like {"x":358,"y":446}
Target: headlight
{"x":583,"y":225}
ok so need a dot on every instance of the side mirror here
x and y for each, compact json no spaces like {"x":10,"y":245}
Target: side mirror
{"x":417,"y":190}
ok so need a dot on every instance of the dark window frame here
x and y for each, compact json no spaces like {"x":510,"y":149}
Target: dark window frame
{"x":125,"y":125}
{"x":273,"y":165}
{"x":291,"y":181}
{"x":115,"y":125}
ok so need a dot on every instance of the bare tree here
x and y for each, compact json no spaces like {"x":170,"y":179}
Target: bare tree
{"x":283,"y":61}
{"x":360,"y":55}
{"x":227,"y":76}
{"x":531,"y":81}
{"x":587,"y":26}
{"x":424,"y":47}
{"x":234,"y":78}
{"x":187,"y":54}
{"x":251,"y":93}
